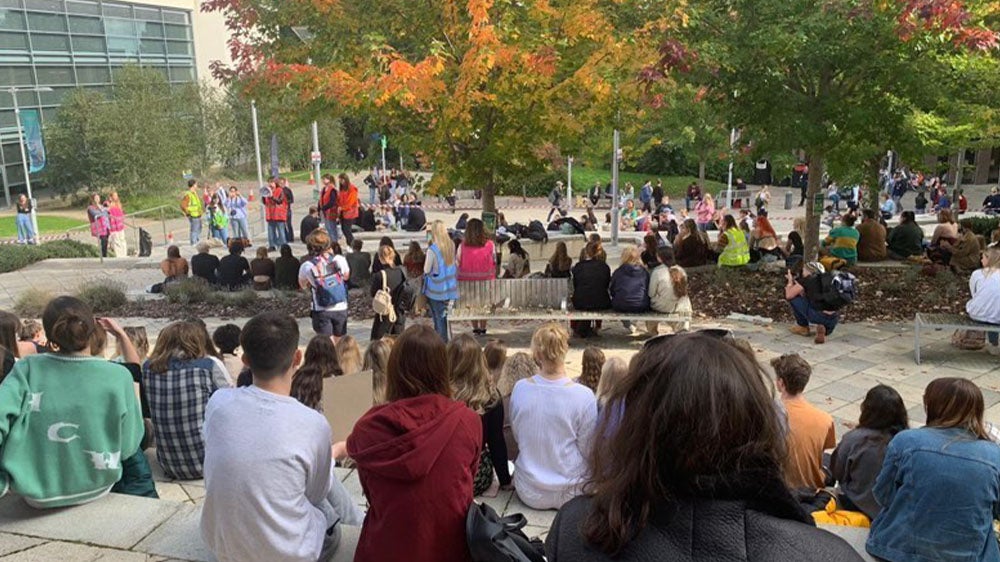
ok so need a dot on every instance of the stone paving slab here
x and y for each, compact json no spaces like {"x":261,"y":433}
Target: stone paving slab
{"x":10,"y":544}
{"x":73,"y":552}
{"x":89,"y":522}
{"x":178,"y":537}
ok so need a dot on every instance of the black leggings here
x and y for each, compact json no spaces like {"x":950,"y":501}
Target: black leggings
{"x":347,"y":226}
{"x":104,"y":246}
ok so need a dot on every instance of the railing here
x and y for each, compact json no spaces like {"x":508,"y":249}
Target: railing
{"x":134,"y":222}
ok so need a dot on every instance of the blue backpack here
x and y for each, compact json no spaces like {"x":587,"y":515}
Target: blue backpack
{"x":329,"y":287}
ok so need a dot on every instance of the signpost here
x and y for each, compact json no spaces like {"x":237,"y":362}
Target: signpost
{"x":385,"y":143}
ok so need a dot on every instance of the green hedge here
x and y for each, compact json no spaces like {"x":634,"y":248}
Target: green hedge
{"x":13,"y":257}
{"x":984,"y":226}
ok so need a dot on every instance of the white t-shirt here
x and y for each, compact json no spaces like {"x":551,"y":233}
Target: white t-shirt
{"x":984,"y":306}
{"x":268,"y":468}
{"x":306,"y":274}
{"x":553,"y":423}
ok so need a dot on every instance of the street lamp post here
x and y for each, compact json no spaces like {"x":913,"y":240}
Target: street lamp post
{"x":24,"y":156}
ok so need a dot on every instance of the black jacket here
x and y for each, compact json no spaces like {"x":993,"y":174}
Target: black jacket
{"x":630,"y":289}
{"x":702,"y":530}
{"x":591,"y":279}
{"x":205,"y":266}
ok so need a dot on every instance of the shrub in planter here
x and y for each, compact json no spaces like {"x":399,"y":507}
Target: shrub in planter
{"x":103,"y":295}
{"x":13,"y":258}
{"x":189,"y":291}
{"x":241,"y":299}
{"x":984,"y":226}
{"x":31,"y":302}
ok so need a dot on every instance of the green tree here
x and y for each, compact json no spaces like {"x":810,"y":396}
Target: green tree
{"x":139,"y":140}
{"x":842,"y":81}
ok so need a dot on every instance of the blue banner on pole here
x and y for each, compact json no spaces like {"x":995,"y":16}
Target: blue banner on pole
{"x":33,"y":139}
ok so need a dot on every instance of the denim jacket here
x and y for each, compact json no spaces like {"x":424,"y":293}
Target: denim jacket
{"x":940,"y":491}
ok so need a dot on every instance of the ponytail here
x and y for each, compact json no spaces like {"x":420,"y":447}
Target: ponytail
{"x":69,"y":324}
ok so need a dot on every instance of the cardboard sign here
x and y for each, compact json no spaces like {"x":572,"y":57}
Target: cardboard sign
{"x":345,"y":400}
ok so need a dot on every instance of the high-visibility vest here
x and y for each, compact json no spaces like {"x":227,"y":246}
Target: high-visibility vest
{"x":441,"y":284}
{"x":736,"y":252}
{"x":193,"y":205}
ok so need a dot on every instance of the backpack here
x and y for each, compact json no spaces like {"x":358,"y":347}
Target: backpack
{"x":145,"y":243}
{"x":406,"y":297}
{"x":492,"y":538}
{"x":382,"y":301}
{"x":839,"y":289}
{"x":554,"y":196}
{"x":536,"y":232}
{"x":329,"y":287}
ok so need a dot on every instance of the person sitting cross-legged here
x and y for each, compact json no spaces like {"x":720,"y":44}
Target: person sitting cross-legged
{"x":810,"y":430}
{"x":270,"y":491}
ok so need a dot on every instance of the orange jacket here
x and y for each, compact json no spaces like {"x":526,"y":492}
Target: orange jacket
{"x":276,"y":208}
{"x":348,"y":202}
{"x":328,"y":202}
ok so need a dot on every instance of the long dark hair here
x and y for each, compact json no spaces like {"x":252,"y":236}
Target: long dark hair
{"x":658,"y":451}
{"x":320,"y":362}
{"x":955,"y":402}
{"x":560,"y":260}
{"x":514,"y":247}
{"x":9,"y":326}
{"x":418,"y":365}
{"x":475,"y":233}
{"x":883,"y":410}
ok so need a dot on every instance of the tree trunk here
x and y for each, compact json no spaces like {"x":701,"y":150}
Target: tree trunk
{"x":489,"y":197}
{"x":701,"y":173}
{"x":817,"y":165}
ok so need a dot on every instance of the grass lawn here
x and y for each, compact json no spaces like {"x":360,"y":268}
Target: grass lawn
{"x":48,"y":224}
{"x":674,"y":186}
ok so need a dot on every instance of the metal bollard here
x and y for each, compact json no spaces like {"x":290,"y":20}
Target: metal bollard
{"x":789,"y":197}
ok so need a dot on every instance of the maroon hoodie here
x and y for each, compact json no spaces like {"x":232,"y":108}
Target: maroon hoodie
{"x":416,"y":459}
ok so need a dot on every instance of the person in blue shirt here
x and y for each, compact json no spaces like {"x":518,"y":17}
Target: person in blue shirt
{"x":939,"y":487}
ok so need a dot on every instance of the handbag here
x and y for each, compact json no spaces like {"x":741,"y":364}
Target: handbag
{"x":968,"y":339}
{"x":492,"y":538}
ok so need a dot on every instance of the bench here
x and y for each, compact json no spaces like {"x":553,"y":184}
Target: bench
{"x":946,"y":322}
{"x":739,"y":196}
{"x":535,"y":298}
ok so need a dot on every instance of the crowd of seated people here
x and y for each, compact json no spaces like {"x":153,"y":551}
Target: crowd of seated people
{"x":458,"y":413}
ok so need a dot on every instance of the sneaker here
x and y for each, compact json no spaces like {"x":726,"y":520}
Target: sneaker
{"x":820,"y":334}
{"x":800,"y":330}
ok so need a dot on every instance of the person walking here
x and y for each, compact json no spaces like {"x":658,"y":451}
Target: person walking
{"x":275,"y":212}
{"x":25,"y":232}
{"x":556,"y":200}
{"x":100,"y":223}
{"x":193,"y":208}
{"x":325,"y":275}
{"x":237,"y":205}
{"x":347,"y":201}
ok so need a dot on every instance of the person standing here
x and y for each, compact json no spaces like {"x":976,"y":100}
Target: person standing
{"x":100,"y":222}
{"x":289,"y":200}
{"x":325,"y":274}
{"x":693,"y":195}
{"x":658,"y":196}
{"x":476,"y":261}
{"x":237,"y":205}
{"x":275,"y":212}
{"x":218,"y":222}
{"x":116,"y":226}
{"x":193,"y":208}
{"x":704,"y":212}
{"x":392,"y":279}
{"x":347,"y":201}
{"x":328,"y":206}
{"x":440,"y":277}
{"x":25,"y":232}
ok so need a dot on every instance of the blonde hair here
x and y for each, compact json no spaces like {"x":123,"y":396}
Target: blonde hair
{"x":630,"y":256}
{"x":137,"y":334}
{"x":613,"y":371}
{"x":181,"y":340}
{"x":992,"y":255}
{"x":550,"y":343}
{"x":590,"y":372}
{"x":440,"y":238}
{"x":349,"y":355}
{"x":387,"y":255}
{"x":469,"y":376}
{"x":518,"y":366}
{"x":799,"y":224}
{"x":679,"y":279}
{"x":376,"y":358}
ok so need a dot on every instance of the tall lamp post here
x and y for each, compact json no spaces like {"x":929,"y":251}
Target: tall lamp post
{"x":306,"y":36}
{"x":24,"y":156}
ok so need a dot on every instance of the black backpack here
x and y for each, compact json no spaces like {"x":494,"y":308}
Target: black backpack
{"x":145,"y":243}
{"x":492,"y":538}
{"x":536,"y":232}
{"x":840,"y":289}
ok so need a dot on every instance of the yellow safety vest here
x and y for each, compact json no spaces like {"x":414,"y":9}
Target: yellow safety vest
{"x":736,"y":252}
{"x":193,"y":205}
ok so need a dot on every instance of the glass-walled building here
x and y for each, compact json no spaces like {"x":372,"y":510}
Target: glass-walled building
{"x":65,"y":44}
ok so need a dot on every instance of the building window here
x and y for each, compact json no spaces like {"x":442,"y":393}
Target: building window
{"x":83,"y":7}
{"x":46,"y":22}
{"x":50,"y":43}
{"x":13,"y":41}
{"x":12,"y":20}
{"x":89,"y":44}
{"x":55,"y":75}
{"x":85,"y":25}
{"x":93,"y":74}
{"x":16,"y":76}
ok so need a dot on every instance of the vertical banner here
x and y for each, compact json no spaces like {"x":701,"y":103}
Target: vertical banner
{"x":274,"y":155}
{"x":33,"y":138}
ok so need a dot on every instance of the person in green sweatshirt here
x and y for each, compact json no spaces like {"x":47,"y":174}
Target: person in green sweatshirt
{"x":68,"y":421}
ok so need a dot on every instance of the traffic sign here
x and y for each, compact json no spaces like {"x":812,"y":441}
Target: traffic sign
{"x":385,"y":142}
{"x":317,"y":157}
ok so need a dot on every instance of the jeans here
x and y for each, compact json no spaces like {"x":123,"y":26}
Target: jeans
{"x":805,"y":314}
{"x":348,"y":227}
{"x":339,"y":508}
{"x":332,"y":229}
{"x":238,"y":228}
{"x":195,"y":229}
{"x":439,"y":310}
{"x":835,"y":199}
{"x":372,"y":195}
{"x":275,"y":234}
{"x":220,"y":234}
{"x":24,"y":232}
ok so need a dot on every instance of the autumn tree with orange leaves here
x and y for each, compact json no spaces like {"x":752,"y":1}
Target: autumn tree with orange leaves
{"x":842,"y":80}
{"x":484,"y":88}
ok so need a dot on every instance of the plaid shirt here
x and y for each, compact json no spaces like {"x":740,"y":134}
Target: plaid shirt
{"x":177,"y":400}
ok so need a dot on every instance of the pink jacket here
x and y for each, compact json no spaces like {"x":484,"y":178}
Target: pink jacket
{"x":704,"y":211}
{"x":477,"y":264}
{"x":117,"y":219}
